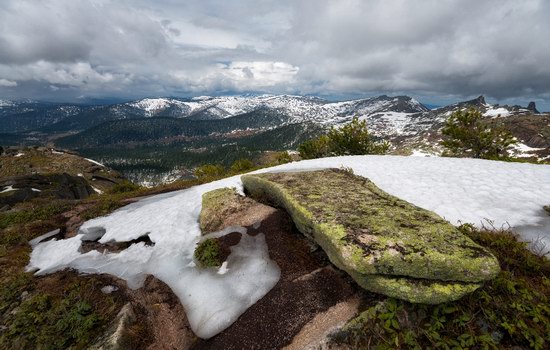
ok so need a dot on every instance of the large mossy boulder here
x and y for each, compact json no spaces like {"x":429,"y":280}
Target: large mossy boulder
{"x":386,"y":244}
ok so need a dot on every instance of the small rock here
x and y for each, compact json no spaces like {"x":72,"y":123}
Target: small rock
{"x":24,"y":296}
{"x":114,"y":337}
{"x":109,"y":289}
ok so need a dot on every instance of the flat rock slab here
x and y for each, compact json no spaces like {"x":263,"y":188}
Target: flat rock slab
{"x":386,"y":244}
{"x":224,"y":207}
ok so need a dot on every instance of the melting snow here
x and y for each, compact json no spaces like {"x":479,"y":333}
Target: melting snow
{"x":524,"y":148}
{"x":20,"y":154}
{"x":494,"y":112}
{"x":421,"y":153}
{"x":8,"y":189}
{"x":95,"y":162}
{"x":461,"y":190}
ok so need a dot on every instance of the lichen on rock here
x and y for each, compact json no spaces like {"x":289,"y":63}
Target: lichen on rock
{"x":386,"y":244}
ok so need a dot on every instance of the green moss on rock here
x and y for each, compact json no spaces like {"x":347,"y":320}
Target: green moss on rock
{"x":208,"y":253}
{"x":388,"y":245}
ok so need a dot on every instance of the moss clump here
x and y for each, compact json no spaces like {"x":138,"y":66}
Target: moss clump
{"x":388,"y":245}
{"x":511,"y":311}
{"x":208,"y":253}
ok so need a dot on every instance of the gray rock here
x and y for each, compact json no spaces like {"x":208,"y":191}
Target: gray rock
{"x":113,"y":339}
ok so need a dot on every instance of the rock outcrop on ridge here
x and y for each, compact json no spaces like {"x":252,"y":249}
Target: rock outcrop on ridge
{"x":58,"y":186}
{"x":386,"y":244}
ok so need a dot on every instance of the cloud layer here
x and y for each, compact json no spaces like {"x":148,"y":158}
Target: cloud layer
{"x":436,"y":49}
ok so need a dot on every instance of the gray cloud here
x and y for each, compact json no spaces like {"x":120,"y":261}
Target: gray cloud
{"x":433,"y":49}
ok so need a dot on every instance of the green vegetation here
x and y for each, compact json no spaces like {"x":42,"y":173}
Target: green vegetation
{"x":468,"y":135}
{"x":59,"y":311}
{"x":511,"y":311}
{"x":351,"y":139}
{"x":124,"y":187}
{"x":241,"y":165}
{"x":207,"y":253}
{"x":30,"y":213}
{"x":283,"y":158}
{"x":70,"y":317}
{"x":209,"y":171}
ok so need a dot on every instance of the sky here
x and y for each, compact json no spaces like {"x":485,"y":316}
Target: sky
{"x":438,"y":51}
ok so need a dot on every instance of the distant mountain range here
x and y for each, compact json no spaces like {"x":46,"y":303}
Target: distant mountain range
{"x":221,"y":128}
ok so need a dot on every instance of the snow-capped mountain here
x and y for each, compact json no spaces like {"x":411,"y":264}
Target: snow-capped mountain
{"x":155,"y":137}
{"x":298,"y":108}
{"x":400,"y":118}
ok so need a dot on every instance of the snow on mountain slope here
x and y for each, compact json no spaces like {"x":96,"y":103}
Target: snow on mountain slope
{"x":461,"y":190}
{"x":6,"y":103}
{"x":299,"y":108}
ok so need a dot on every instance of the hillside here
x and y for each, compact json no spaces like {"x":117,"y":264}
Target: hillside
{"x":158,"y":233}
{"x":44,"y":173}
{"x":134,"y":137}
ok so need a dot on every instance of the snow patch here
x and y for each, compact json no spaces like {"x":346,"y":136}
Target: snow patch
{"x":213,"y":300}
{"x":421,"y":153}
{"x":8,"y":189}
{"x":95,"y":162}
{"x":97,"y":190}
{"x":19,"y":154}
{"x":494,"y":112}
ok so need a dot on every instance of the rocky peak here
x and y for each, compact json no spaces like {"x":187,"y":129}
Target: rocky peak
{"x":478,"y":101}
{"x":532,"y":107}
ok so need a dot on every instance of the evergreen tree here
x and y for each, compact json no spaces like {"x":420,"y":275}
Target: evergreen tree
{"x":208,"y":171}
{"x":241,"y":165}
{"x":351,"y":139}
{"x":470,"y":136}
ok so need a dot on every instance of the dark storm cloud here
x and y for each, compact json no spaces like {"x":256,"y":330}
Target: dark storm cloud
{"x":437,"y":49}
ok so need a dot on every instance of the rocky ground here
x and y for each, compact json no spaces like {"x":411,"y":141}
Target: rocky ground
{"x":313,"y":305}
